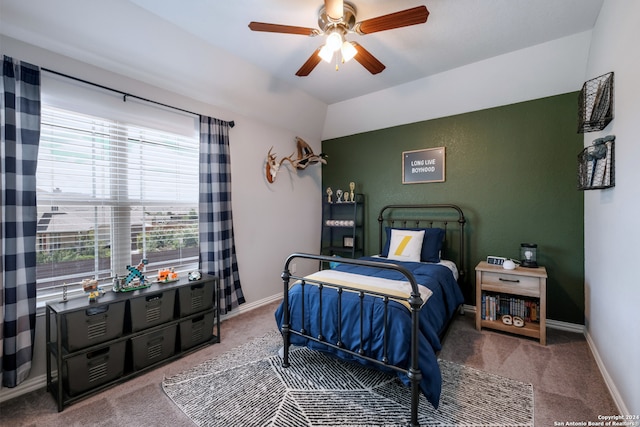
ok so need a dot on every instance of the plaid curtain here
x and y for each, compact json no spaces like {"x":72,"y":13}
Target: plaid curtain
{"x":217,"y":248}
{"x":20,"y":135}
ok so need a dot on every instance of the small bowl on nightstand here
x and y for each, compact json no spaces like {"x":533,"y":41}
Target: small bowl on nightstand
{"x":508,"y":264}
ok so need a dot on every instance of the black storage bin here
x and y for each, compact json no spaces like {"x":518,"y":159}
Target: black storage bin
{"x":151,"y":309}
{"x":88,"y":370}
{"x":196,"y":331}
{"x":93,"y":325}
{"x":153,"y":347}
{"x":194,"y":298}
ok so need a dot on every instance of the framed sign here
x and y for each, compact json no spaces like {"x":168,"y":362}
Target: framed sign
{"x":420,"y":166}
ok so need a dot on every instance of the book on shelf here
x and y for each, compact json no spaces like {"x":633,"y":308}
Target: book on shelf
{"x":494,"y":306}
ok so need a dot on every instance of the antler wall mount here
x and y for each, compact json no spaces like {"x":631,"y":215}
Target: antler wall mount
{"x":305,"y":157}
{"x":337,"y":19}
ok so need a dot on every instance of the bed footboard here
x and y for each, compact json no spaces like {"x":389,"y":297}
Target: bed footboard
{"x":415,"y":303}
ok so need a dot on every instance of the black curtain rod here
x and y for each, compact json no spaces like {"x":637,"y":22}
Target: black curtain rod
{"x":124,"y":94}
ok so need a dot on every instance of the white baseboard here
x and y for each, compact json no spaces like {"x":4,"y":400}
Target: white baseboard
{"x":566,"y":326}
{"x":251,"y":306}
{"x":27,"y":386}
{"x":615,"y":394}
{"x":468,"y":308}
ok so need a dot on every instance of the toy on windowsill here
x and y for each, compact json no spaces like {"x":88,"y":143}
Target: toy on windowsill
{"x":134,"y":280}
{"x":167,"y":276}
{"x":91,"y":286}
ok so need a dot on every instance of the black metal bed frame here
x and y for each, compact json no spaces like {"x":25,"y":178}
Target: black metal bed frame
{"x":415,"y":301}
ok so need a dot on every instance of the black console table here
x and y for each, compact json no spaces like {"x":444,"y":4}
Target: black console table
{"x":94,"y":345}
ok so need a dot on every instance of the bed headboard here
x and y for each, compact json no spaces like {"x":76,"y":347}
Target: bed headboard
{"x":446,"y":216}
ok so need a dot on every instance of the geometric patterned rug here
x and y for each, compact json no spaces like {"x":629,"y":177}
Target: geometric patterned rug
{"x":249,"y":387}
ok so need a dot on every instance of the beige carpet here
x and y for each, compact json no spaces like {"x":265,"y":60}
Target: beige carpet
{"x":567,"y":383}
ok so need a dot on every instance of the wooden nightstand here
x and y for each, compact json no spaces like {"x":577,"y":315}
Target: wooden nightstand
{"x":521,"y":292}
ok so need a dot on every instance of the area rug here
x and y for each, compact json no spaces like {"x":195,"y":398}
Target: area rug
{"x":248,"y":387}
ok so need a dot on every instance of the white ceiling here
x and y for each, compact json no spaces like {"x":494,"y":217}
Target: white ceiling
{"x":457,"y":32}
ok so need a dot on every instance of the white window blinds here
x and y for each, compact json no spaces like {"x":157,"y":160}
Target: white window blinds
{"x":111,"y":193}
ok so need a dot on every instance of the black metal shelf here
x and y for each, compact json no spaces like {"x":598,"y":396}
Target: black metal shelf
{"x":343,"y":228}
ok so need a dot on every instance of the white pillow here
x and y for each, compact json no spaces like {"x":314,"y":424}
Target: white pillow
{"x":405,"y":245}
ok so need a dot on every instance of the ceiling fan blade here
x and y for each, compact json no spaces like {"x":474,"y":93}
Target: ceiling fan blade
{"x":404,"y":18}
{"x":286,"y":29}
{"x":308,"y":66}
{"x":334,"y":9}
{"x":367,"y":60}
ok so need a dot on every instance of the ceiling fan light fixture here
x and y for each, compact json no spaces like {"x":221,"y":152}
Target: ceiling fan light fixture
{"x":334,"y":41}
{"x":348,"y":51}
{"x":336,"y":19}
{"x":326,"y":54}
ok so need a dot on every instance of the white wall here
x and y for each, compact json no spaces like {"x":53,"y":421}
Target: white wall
{"x":544,"y":70}
{"x":270,"y":220}
{"x":611,"y":229}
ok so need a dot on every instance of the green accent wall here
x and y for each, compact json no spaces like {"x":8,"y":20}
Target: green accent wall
{"x":513,"y":171}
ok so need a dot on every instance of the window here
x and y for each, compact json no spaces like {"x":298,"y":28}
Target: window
{"x":110,"y":194}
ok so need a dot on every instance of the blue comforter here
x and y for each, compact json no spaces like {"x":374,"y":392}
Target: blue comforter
{"x":434,"y":316}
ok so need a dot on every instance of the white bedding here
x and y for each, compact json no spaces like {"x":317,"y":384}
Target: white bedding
{"x":396,"y":288}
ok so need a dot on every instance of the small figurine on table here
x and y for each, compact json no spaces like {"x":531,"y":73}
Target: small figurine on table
{"x":91,"y":286}
{"x":134,"y":280}
{"x":136,"y":272}
{"x":117,"y":284}
{"x":93,"y":296}
{"x":167,"y":275}
{"x":194,"y":275}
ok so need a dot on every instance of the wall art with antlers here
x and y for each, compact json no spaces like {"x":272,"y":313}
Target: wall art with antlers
{"x":305,"y":157}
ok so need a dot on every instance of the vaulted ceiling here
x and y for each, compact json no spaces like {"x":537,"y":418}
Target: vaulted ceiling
{"x":457,"y":32}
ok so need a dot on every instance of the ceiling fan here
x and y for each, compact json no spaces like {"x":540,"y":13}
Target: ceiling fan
{"x":336,"y":19}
